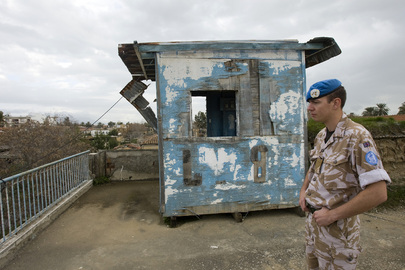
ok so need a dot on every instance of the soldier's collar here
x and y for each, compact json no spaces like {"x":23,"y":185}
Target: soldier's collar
{"x":341,"y":126}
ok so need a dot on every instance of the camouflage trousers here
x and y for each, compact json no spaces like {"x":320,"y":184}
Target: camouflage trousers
{"x":332,"y":247}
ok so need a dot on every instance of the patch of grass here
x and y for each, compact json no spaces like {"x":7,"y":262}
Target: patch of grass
{"x":378,"y":126}
{"x":170,"y":222}
{"x":101,"y":180}
{"x":166,"y":221}
{"x":313,"y":129}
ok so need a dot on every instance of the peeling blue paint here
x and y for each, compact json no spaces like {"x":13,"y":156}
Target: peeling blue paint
{"x":224,"y":165}
{"x":227,"y":174}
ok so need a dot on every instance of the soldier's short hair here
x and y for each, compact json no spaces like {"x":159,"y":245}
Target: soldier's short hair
{"x":340,"y":93}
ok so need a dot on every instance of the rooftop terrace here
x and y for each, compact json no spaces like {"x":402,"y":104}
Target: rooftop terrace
{"x":118,"y":226}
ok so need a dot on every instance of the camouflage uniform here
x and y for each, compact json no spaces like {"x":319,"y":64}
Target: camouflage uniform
{"x":340,"y":169}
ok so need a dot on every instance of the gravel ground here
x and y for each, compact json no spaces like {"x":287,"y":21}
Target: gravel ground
{"x":117,"y":226}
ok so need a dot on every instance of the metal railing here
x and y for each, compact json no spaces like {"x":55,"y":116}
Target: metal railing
{"x":25,"y":196}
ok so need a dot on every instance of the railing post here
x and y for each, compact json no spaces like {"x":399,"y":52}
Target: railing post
{"x":8,"y":209}
{"x":3,"y":229}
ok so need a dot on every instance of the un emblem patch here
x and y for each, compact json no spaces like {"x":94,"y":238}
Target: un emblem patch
{"x":315,"y":93}
{"x":371,"y":158}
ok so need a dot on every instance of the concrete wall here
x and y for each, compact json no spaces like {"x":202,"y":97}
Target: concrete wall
{"x":125,"y":164}
{"x":143,"y":164}
{"x":392,"y":151}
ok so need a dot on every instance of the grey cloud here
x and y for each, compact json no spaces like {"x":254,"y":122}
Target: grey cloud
{"x":62,"y":55}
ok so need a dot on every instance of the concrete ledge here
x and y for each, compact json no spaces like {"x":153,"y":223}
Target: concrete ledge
{"x":9,"y":249}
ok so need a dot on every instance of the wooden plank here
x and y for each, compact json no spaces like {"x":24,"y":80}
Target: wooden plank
{"x":255,"y":94}
{"x":230,"y":208}
{"x":265,"y":102}
{"x":221,"y":46}
{"x":245,"y":107}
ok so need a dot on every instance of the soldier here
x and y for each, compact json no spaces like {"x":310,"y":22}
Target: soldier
{"x":346,"y":178}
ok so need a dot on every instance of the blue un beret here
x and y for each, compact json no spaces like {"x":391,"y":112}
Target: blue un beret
{"x":322,"y":88}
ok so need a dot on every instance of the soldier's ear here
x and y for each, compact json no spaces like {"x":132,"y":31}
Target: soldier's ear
{"x":337,"y":103}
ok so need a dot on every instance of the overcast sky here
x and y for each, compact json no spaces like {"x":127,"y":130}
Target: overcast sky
{"x":61,"y":57}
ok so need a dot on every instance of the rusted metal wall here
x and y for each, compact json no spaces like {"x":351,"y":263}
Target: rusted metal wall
{"x":263,"y":166}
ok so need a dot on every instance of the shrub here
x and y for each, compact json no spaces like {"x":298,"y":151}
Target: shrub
{"x":100,"y":180}
{"x":378,"y":126}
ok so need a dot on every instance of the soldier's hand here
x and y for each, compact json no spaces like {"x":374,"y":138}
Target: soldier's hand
{"x":303,"y":203}
{"x":322,"y":217}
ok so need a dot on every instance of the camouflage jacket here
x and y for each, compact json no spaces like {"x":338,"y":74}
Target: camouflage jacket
{"x":343,"y":166}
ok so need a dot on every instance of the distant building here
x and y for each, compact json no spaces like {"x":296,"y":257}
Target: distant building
{"x":150,"y":142}
{"x":95,"y":132}
{"x":16,"y":121}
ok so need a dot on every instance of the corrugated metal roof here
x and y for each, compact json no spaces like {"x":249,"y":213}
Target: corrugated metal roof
{"x":141,"y":67}
{"x":330,"y":49}
{"x":150,"y":140}
{"x":139,"y":58}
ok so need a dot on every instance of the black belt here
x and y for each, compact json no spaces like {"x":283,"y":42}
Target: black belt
{"x":311,"y":208}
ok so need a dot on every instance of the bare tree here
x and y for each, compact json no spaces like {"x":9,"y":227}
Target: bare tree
{"x":134,"y":131}
{"x":1,"y":119}
{"x":33,"y":144}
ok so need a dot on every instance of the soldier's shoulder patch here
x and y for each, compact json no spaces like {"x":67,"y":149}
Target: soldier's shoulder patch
{"x":371,"y":158}
{"x":366,"y":144}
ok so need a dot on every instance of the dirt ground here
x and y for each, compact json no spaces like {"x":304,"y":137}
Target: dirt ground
{"x":118,"y":226}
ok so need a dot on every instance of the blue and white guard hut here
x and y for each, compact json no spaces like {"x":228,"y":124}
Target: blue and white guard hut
{"x":254,"y":154}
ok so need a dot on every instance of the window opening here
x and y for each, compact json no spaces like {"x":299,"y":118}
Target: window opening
{"x":199,"y":116}
{"x":220,"y":112}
